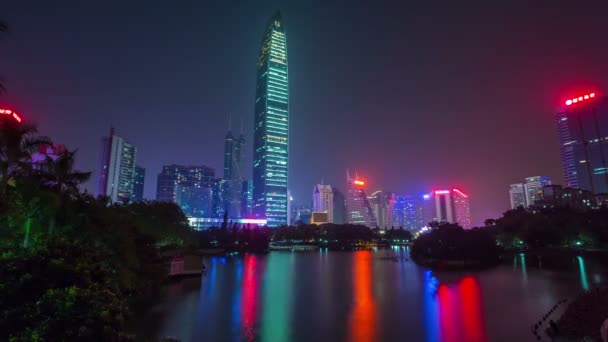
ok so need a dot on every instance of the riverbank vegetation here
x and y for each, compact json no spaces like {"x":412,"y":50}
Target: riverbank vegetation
{"x":72,"y":264}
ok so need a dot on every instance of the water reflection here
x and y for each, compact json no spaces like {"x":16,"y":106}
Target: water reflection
{"x":524,"y":271}
{"x":453,"y":313}
{"x":363,"y":314}
{"x":278,"y":296}
{"x":249,"y":301}
{"x":583,"y":273}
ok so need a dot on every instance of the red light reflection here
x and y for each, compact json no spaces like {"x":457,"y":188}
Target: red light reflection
{"x":363,"y":315}
{"x":249,"y":303}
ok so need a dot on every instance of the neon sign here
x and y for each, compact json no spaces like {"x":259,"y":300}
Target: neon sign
{"x":11,"y":113}
{"x":578,"y":99}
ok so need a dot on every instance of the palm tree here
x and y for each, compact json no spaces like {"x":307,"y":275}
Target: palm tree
{"x":18,"y":141}
{"x":60,"y":174}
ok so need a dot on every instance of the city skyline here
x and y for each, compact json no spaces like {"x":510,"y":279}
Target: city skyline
{"x":143,"y":113}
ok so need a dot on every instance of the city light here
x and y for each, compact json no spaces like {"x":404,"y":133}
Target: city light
{"x":11,"y":113}
{"x":573,"y":100}
{"x":442,"y":192}
{"x":358,"y":182}
{"x":460,"y":192}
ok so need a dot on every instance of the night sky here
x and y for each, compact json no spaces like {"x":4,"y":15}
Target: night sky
{"x":412,"y":97}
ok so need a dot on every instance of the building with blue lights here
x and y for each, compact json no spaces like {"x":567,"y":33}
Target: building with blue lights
{"x":271,"y":127}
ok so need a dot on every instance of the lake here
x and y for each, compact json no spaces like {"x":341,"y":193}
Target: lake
{"x":362,"y":296}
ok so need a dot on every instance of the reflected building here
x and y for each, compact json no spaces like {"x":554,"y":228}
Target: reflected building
{"x":358,"y":209}
{"x":117,"y":169}
{"x":271,"y":127}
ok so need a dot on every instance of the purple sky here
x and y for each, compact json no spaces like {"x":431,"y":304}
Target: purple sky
{"x":412,"y":97}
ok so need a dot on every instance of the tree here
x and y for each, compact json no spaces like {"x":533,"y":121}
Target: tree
{"x":18,"y":141}
{"x":59,"y":174}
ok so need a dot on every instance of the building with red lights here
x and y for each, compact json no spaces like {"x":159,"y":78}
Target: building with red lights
{"x":358,"y":210}
{"x":452,"y":206}
{"x":582,"y":125}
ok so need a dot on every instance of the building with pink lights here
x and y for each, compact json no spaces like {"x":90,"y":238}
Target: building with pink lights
{"x":452,"y":206}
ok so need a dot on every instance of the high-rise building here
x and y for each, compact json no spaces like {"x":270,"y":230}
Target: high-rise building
{"x":323,"y":201}
{"x":533,"y":187}
{"x":358,"y":209}
{"x":408,"y":212}
{"x":138,"y":184}
{"x":452,"y":206}
{"x":271,"y":127}
{"x":339,"y":215}
{"x":582,"y":125}
{"x":188,"y":186}
{"x":233,"y":171}
{"x":429,"y":213}
{"x":382,"y":204}
{"x":517,"y":195}
{"x":246,"y":199}
{"x":221,"y":198}
{"x":117,"y":171}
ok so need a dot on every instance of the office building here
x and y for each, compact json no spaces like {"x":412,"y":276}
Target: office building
{"x":221,"y":198}
{"x":408,"y":212}
{"x":452,"y":206}
{"x":323,"y":201}
{"x":382,"y":204}
{"x":339,"y":215}
{"x":319,"y":218}
{"x":188,"y":186}
{"x":246,"y":199}
{"x":138,"y":184}
{"x":233,"y":171}
{"x":117,"y":170}
{"x":582,"y":126}
{"x":271,"y":127}
{"x":517,"y":195}
{"x":358,"y":209}
{"x":533,"y":186}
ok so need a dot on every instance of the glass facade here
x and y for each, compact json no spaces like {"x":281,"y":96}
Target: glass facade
{"x":583,"y":132}
{"x":271,"y":127}
{"x":188,"y":186}
{"x":138,"y":184}
{"x":117,"y":170}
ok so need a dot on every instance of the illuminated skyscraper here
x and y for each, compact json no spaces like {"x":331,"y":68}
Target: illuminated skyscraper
{"x":452,"y":206}
{"x":534,"y":188}
{"x":233,"y":172}
{"x":582,"y":126}
{"x":323,"y":201}
{"x":188,"y":186}
{"x":271,"y":127}
{"x":117,"y":171}
{"x":138,"y":184}
{"x":358,"y":210}
{"x":517,"y":195}
{"x":382,"y":203}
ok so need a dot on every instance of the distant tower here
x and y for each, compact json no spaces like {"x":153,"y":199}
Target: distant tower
{"x":138,"y":184}
{"x":117,"y":170}
{"x":323,"y":201}
{"x":233,"y":172}
{"x":271,"y":127}
{"x":357,"y":205}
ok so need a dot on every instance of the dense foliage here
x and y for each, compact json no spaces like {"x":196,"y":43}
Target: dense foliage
{"x":72,"y":265}
{"x":555,"y":227}
{"x":449,"y":244}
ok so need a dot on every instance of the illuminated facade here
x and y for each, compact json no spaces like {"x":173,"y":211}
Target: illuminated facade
{"x":233,"y":172}
{"x":323,"y":201}
{"x":582,"y":126}
{"x":358,"y":210}
{"x":517,"y":196}
{"x":408,"y":212}
{"x":382,"y":204}
{"x":188,"y":186}
{"x":452,"y":206}
{"x":271,"y":127}
{"x":138,"y":184}
{"x":533,"y":187}
{"x":117,"y":169}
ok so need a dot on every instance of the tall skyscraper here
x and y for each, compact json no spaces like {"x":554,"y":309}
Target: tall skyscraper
{"x":271,"y":127}
{"x":117,"y":171}
{"x":138,"y":184}
{"x":533,"y":187}
{"x":221,"y":197}
{"x":582,"y":125}
{"x":517,"y":195}
{"x":358,"y":210}
{"x":339,"y":215}
{"x":382,"y":204}
{"x":188,"y":186}
{"x":233,"y":172}
{"x":323,"y":201}
{"x":408,"y":212}
{"x":452,"y":206}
